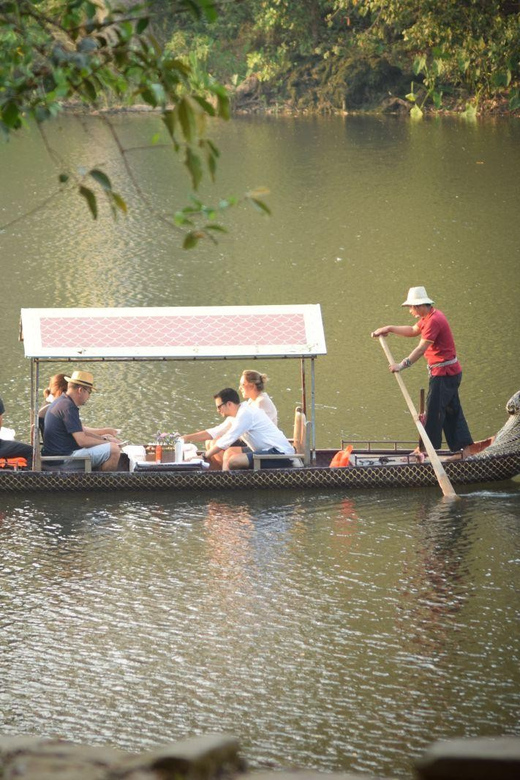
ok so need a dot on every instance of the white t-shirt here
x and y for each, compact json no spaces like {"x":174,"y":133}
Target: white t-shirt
{"x":253,"y":426}
{"x":263,"y":402}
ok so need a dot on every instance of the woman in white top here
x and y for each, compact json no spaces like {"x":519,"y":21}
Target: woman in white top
{"x":252,"y":386}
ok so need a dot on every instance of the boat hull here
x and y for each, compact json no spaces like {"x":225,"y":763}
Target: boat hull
{"x":411,"y":475}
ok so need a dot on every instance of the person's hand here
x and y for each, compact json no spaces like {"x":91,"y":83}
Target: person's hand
{"x":111,"y":437}
{"x":395,"y":368}
{"x":379,"y":332}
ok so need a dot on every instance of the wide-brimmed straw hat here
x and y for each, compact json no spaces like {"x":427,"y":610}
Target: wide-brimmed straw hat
{"x":83,"y":378}
{"x":417,"y":296}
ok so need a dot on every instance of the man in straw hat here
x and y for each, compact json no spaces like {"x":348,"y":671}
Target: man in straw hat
{"x":64,"y":433}
{"x":443,"y":408}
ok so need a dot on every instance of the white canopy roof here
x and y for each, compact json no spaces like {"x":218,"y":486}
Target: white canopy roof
{"x":182,"y":333}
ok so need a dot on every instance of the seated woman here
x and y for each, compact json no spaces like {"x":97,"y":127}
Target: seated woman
{"x":57,"y":386}
{"x":252,"y":386}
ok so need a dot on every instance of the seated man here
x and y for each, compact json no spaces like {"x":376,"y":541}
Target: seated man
{"x":64,"y":433}
{"x":245,"y":422}
{"x":11,"y":448}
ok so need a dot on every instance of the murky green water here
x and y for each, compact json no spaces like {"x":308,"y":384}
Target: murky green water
{"x":324,"y":630}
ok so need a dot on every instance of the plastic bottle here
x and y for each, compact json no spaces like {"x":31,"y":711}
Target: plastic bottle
{"x":158,"y":453}
{"x":179,"y":444}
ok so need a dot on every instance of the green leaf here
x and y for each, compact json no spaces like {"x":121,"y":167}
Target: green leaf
{"x":119,"y":202}
{"x":101,"y":178}
{"x":208,"y":108}
{"x":90,"y":90}
{"x":168,"y":118}
{"x":194,"y":166}
{"x":180,"y":219}
{"x":149,"y":96}
{"x":260,"y":206}
{"x":223,"y":106}
{"x":416,"y":112}
{"x":187,"y":119}
{"x":11,"y":115}
{"x":514,"y":100}
{"x":90,"y":197}
{"x":191,"y":240}
{"x":216,"y":227}
{"x":419,"y":65}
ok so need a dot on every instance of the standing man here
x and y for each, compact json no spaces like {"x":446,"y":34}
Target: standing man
{"x":246,"y":422}
{"x":443,"y":408}
{"x":64,"y":433}
{"x":13,"y":449}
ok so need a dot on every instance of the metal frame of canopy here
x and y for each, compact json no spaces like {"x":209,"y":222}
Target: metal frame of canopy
{"x":173,"y":333}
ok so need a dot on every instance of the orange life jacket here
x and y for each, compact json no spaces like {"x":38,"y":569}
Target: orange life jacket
{"x":13,"y":463}
{"x":341,"y":458}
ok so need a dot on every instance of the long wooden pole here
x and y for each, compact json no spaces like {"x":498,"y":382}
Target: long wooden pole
{"x":442,"y":477}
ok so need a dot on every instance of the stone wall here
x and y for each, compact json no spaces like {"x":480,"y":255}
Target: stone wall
{"x":217,"y":757}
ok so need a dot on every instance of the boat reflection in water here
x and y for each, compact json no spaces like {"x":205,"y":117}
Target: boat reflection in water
{"x":339,"y":633}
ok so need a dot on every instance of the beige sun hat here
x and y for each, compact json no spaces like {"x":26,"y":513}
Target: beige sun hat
{"x":417,"y":296}
{"x":83,"y":378}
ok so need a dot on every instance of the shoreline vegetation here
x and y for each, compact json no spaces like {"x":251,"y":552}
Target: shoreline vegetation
{"x":346,"y":57}
{"x":356,"y":56}
{"x":390,"y":106}
{"x":192,"y":60}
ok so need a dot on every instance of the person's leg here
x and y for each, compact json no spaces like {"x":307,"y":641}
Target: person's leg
{"x":103,"y":457}
{"x":16,"y":449}
{"x":434,"y":411}
{"x":235,"y":460}
{"x":456,"y":428}
{"x":112,"y":462}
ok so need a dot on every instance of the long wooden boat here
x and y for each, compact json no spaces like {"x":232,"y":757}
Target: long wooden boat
{"x":275,"y":332}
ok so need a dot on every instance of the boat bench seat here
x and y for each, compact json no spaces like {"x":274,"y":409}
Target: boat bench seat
{"x":58,"y":463}
{"x":302,"y":456}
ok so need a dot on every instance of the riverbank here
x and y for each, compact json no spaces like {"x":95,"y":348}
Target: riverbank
{"x":218,"y":756}
{"x":249,"y":103}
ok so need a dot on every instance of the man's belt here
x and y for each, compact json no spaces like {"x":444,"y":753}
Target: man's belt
{"x":444,"y":363}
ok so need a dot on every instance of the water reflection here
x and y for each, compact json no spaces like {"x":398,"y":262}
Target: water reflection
{"x":338,"y":632}
{"x":333,"y":632}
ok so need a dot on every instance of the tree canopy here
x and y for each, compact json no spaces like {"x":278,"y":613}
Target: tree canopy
{"x":53,"y":52}
{"x":335,"y":54}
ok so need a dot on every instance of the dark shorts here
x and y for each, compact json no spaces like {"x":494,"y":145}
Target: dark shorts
{"x":282,"y":463}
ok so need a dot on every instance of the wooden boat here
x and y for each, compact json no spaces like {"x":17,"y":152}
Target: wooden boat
{"x":266,"y":332}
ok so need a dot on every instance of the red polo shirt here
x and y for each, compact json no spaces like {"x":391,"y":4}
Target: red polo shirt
{"x":434,"y":327}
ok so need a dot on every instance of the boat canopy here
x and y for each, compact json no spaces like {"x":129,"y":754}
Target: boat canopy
{"x":190,"y":333}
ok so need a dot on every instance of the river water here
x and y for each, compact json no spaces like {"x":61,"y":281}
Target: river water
{"x":324,"y":630}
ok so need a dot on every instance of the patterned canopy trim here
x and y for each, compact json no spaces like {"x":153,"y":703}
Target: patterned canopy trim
{"x":183,"y":333}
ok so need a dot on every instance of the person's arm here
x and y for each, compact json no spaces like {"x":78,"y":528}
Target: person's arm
{"x":198,"y":436}
{"x":107,"y":434}
{"x":214,"y":450}
{"x":399,"y":330}
{"x":86,"y":438}
{"x":412,"y":358}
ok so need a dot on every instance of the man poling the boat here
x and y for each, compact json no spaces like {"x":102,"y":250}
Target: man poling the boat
{"x":443,"y":407}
